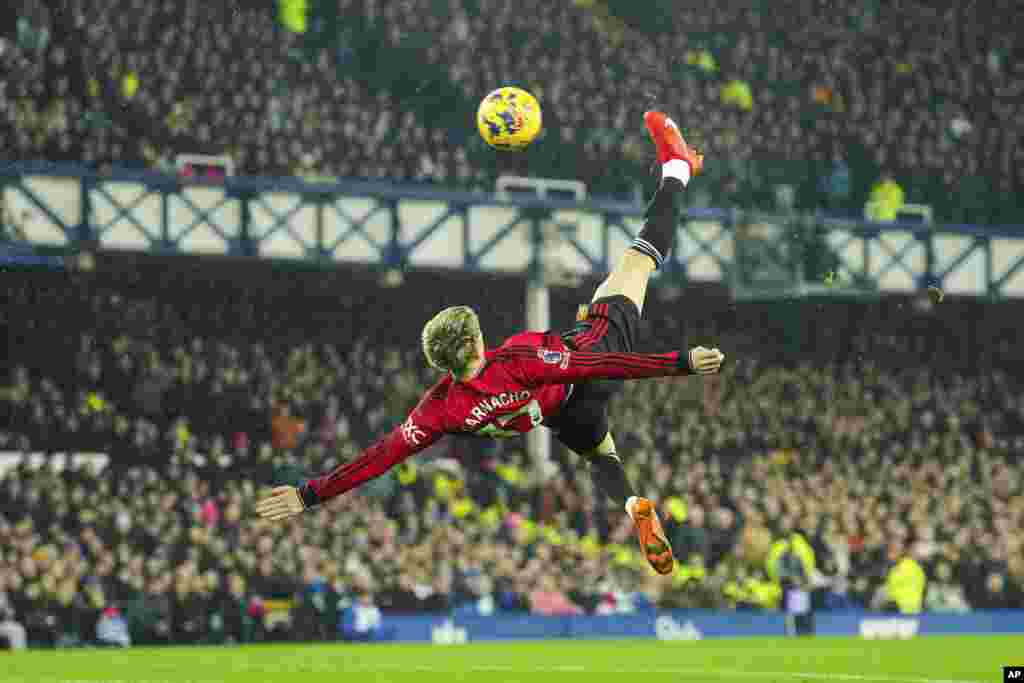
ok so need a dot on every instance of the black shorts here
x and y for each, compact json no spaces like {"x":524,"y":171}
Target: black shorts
{"x":608,"y":325}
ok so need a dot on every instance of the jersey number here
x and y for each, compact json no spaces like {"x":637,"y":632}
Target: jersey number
{"x":496,"y":430}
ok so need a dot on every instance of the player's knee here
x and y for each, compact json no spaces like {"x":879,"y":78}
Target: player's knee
{"x":605,"y":449}
{"x":606,"y":291}
{"x":629,"y":279}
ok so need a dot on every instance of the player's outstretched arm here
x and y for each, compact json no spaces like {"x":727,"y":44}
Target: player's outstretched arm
{"x":403,"y":442}
{"x":547,"y":366}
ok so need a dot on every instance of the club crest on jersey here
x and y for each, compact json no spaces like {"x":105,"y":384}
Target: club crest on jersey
{"x":551,"y":357}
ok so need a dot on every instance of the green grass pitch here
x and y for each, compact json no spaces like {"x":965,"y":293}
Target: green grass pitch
{"x":818,"y":660}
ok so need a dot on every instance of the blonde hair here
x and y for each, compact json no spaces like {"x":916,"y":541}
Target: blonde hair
{"x":449,"y":339}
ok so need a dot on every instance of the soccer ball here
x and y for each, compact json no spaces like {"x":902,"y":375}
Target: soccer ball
{"x":509,"y":119}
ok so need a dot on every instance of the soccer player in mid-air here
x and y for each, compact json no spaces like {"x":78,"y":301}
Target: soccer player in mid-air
{"x":561,"y":381}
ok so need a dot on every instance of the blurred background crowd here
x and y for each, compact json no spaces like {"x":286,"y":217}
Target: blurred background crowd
{"x":825,"y":99}
{"x":866,"y":454}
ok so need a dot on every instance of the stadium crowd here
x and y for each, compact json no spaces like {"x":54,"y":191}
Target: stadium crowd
{"x":867,"y":481}
{"x":826,"y":97}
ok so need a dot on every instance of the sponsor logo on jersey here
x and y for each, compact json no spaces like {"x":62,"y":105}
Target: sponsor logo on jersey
{"x":412,"y":434}
{"x":551,"y":357}
{"x":487,"y":406}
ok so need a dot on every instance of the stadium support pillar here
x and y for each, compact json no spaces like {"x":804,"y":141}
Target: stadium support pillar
{"x":538,"y":317}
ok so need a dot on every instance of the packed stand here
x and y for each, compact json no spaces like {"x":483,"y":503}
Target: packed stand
{"x":823,"y":97}
{"x":204,"y":383}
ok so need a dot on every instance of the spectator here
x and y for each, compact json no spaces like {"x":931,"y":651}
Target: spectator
{"x":440,"y":598}
{"x":860,"y":88}
{"x":149,"y":615}
{"x":997,"y":593}
{"x":737,"y":93}
{"x":188,"y":616}
{"x":362,"y":621}
{"x":286,"y":429}
{"x":837,"y":184}
{"x":904,"y":584}
{"x":723,"y":534}
{"x":885,"y":201}
{"x":239,"y":625}
{"x":685,"y":527}
{"x":112,"y":629}
{"x":943,"y":595}
{"x":772,"y":459}
{"x":548,"y":600}
{"x":480,"y":600}
{"x":12,"y":631}
{"x":316,"y":612}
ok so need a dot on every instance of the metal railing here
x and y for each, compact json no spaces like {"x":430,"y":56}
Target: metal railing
{"x":396,"y":225}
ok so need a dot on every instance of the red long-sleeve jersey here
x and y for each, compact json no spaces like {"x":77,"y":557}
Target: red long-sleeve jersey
{"x":521,"y":383}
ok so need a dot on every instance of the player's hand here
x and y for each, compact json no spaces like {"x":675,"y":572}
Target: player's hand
{"x":282,"y":503}
{"x":705,"y":361}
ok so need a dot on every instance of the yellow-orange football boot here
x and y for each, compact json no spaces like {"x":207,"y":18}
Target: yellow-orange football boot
{"x":670,"y":143}
{"x":653,"y":542}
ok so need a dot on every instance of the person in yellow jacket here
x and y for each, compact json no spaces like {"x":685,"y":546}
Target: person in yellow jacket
{"x":702,"y":59}
{"x":789,"y":553}
{"x":885,"y":201}
{"x":763,"y":592}
{"x":408,"y":473}
{"x":904,"y":584}
{"x":738,"y":94}
{"x":94,"y":403}
{"x":693,"y":570}
{"x":294,"y":15}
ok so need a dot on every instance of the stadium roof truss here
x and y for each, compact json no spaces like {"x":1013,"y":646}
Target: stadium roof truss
{"x":758,"y":255}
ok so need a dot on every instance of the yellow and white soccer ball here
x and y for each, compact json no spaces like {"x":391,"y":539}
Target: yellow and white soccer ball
{"x":509,"y":119}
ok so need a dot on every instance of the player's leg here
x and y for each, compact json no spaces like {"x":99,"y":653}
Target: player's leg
{"x":629,"y":279}
{"x":582,"y":426}
{"x":652,"y":246}
{"x":609,"y":476}
{"x":607,"y":472}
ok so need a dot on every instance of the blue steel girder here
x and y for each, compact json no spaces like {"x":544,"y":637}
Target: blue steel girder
{"x":855,"y":235}
{"x":996,"y":285}
{"x":897,"y":257}
{"x":202,"y":216}
{"x":611,"y":220}
{"x":595,"y":265}
{"x":70,"y":232}
{"x":473,"y":259}
{"x":704,"y":247}
{"x":356,"y":227}
{"x":976,"y":244}
{"x":122,"y":211}
{"x":984,"y":261}
{"x":408,"y":248}
{"x":281,"y":221}
{"x":618,"y":222}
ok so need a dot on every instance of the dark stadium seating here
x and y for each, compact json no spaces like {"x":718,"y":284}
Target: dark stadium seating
{"x":387,"y":89}
{"x":172,"y":366}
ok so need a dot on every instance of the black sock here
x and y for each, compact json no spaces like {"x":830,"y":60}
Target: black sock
{"x":608,"y":475}
{"x":659,"y":231}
